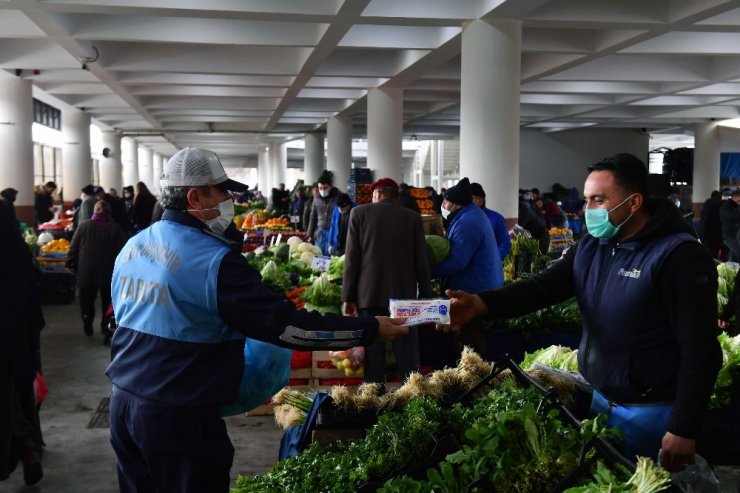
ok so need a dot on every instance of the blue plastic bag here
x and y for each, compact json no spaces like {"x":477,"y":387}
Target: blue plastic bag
{"x":266,"y":371}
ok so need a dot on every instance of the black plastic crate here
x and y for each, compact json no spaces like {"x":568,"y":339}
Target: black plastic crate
{"x":58,"y":288}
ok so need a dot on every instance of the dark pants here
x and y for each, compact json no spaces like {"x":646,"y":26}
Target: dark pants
{"x":405,"y":348}
{"x":20,"y":432}
{"x":87,"y":301}
{"x":163,"y":448}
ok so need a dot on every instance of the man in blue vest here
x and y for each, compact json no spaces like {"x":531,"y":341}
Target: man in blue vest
{"x":647,"y":291}
{"x":185,"y":299}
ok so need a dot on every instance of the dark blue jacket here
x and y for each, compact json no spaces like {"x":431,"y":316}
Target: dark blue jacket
{"x":473,"y":263}
{"x":180,"y":370}
{"x":649,"y":308}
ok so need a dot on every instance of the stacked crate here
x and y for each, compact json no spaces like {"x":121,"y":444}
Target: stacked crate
{"x":359,"y":185}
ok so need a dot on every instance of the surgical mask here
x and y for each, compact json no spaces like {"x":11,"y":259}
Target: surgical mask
{"x":597,"y":221}
{"x":226,"y":215}
{"x":324,"y":193}
{"x":445,"y":213}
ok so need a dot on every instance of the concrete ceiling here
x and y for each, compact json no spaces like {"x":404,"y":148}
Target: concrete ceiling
{"x":231,"y":74}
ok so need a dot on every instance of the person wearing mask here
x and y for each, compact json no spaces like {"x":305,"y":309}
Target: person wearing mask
{"x":729,"y":215}
{"x":550,"y":213}
{"x":20,"y":333}
{"x":405,"y":198}
{"x":43,"y":203}
{"x":299,"y":206}
{"x":473,"y":260}
{"x":321,"y":210}
{"x":340,"y":225}
{"x":498,"y":223}
{"x":185,"y":299}
{"x":281,"y":199}
{"x":385,"y":242}
{"x":128,"y":202}
{"x":647,"y":290}
{"x":530,"y":221}
{"x":143,"y":207}
{"x":308,"y":208}
{"x":711,"y":226}
{"x":92,"y":253}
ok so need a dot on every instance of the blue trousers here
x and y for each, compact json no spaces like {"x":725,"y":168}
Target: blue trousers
{"x":163,"y":448}
{"x":643,"y":425}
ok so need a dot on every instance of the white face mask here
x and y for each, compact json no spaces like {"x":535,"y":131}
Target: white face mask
{"x":324,"y":193}
{"x":445,"y":213}
{"x":226,"y":215}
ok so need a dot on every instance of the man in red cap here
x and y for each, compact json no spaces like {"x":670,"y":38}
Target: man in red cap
{"x":385,"y":258}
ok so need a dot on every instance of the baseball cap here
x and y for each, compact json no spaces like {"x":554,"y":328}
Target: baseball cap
{"x":383,"y":183}
{"x":195,"y":167}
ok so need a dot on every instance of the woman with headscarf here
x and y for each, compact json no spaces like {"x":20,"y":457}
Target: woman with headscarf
{"x":93,"y":252}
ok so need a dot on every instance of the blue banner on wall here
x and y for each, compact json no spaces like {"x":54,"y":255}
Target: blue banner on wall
{"x":729,"y":165}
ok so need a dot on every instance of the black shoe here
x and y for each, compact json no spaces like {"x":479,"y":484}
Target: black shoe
{"x":87,"y":325}
{"x":32,"y":470}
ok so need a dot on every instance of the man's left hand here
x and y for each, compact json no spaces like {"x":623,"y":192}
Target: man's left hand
{"x":677,"y":452}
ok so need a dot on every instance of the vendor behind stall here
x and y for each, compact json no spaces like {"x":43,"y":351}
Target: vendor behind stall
{"x":647,"y":291}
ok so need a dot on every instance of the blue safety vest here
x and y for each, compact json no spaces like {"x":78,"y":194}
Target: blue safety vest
{"x":171,"y":344}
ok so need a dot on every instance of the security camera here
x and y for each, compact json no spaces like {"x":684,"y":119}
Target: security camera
{"x":106,"y":152}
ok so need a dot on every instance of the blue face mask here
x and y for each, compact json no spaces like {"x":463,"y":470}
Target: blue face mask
{"x":597,"y":221}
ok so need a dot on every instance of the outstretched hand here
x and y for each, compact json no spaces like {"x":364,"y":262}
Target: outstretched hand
{"x":390,"y":328}
{"x":465,"y":308}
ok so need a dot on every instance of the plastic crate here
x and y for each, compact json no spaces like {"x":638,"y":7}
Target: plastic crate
{"x":58,"y":288}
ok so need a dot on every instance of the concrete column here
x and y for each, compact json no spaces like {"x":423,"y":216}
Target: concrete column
{"x":278,"y":164}
{"x":145,"y":166}
{"x":130,"y":157}
{"x":489,"y":110}
{"x":157,"y":165}
{"x":384,"y":129}
{"x":706,"y":163}
{"x":110,"y":169}
{"x":313,"y":159}
{"x":16,"y":143}
{"x":263,"y":170}
{"x":76,"y":158}
{"x":339,"y":151}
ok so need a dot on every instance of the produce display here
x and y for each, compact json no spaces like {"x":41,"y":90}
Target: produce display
{"x":421,"y":195}
{"x":726,"y":273}
{"x":350,"y":361}
{"x":56,"y":246}
{"x":524,"y":258}
{"x":560,"y":239}
{"x":511,"y":437}
{"x":323,"y":296}
{"x":563,"y":317}
{"x":438,"y":248}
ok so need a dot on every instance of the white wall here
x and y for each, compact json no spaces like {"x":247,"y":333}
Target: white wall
{"x":562,"y":157}
{"x":729,"y":139}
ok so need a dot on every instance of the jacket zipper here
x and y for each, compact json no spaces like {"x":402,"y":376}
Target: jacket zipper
{"x":597,"y":299}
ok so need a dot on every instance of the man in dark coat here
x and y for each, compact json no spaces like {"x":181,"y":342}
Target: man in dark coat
{"x":711,"y":226}
{"x":385,"y":258}
{"x":729,"y":215}
{"x":406,"y":200}
{"x":20,"y":433}
{"x":43,"y":203}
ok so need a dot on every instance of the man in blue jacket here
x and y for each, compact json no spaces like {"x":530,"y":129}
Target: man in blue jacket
{"x":647,"y":291}
{"x":473,"y":261}
{"x":498,"y":223}
{"x":185,"y":299}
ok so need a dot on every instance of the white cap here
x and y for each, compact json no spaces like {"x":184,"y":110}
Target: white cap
{"x":194,"y":167}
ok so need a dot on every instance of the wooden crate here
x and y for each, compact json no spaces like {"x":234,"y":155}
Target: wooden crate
{"x":322,"y":367}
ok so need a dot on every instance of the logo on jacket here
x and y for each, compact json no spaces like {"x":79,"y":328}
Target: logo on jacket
{"x":633,"y":273}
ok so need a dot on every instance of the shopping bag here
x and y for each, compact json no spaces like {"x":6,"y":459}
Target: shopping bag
{"x":266,"y":371}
